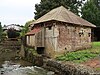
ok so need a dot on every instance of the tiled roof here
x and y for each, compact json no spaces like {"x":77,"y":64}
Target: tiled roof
{"x":34,"y":31}
{"x":63,"y":15}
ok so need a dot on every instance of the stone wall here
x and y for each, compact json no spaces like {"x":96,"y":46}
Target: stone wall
{"x":67,"y":68}
{"x":35,"y":59}
{"x":9,"y":50}
{"x":73,"y":37}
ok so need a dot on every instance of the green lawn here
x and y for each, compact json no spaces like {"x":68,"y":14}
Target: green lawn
{"x":82,"y":55}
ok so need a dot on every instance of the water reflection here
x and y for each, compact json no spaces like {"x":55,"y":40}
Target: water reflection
{"x":10,"y":68}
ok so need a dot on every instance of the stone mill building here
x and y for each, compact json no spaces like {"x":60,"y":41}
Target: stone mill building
{"x":59,"y":31}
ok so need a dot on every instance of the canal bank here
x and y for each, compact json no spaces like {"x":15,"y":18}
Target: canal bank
{"x":58,"y":67}
{"x":50,"y":65}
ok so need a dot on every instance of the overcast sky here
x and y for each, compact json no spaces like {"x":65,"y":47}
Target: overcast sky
{"x":17,"y":11}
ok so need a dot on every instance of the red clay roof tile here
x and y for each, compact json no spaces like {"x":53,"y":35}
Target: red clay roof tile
{"x":34,"y":31}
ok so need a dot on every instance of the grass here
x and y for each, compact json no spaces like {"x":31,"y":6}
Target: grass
{"x":32,"y":50}
{"x":98,"y":69}
{"x":82,"y":55}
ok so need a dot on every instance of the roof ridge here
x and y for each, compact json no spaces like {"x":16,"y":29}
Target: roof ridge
{"x":58,"y":11}
{"x":68,"y":14}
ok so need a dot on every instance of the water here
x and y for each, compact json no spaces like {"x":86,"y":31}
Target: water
{"x":9,"y":68}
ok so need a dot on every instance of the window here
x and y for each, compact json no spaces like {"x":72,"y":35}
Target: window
{"x":65,"y":48}
{"x":75,"y":29}
{"x":49,"y":27}
{"x":68,"y":31}
{"x":89,"y":34}
{"x":81,"y":32}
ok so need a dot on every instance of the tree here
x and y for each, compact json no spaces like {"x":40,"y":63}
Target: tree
{"x":97,"y":3}
{"x":47,"y":5}
{"x":0,"y":31}
{"x":26,"y":27}
{"x":91,"y":12}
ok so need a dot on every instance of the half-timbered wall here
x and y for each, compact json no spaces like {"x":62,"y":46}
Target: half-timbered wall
{"x":30,"y":40}
{"x":57,"y":37}
{"x":39,"y":38}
